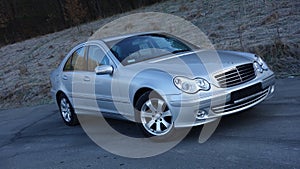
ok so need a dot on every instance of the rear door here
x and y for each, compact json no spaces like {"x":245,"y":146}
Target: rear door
{"x":74,"y":79}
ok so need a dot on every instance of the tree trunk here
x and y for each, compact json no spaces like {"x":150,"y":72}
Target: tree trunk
{"x":62,"y":12}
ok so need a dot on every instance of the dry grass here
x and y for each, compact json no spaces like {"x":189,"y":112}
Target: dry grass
{"x":268,"y":28}
{"x":283,"y":58}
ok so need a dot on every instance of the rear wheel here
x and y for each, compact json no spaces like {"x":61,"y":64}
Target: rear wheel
{"x":67,"y":111}
{"x":153,"y":115}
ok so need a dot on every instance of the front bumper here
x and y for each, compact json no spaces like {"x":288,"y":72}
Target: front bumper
{"x":192,"y":110}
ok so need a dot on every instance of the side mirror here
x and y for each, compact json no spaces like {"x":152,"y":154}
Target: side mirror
{"x":104,"y":69}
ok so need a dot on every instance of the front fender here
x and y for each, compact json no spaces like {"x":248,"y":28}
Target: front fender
{"x":155,"y":79}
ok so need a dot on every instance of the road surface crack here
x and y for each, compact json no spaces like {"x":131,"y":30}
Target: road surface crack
{"x":18,"y":134}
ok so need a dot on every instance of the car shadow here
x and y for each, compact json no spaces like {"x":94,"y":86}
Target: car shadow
{"x":131,"y":129}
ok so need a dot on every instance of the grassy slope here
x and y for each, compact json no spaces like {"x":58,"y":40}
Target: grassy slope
{"x":268,"y":28}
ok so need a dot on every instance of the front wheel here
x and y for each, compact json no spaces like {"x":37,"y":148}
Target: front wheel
{"x":153,"y":115}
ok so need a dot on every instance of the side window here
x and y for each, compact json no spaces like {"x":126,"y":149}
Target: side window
{"x":96,"y":57}
{"x":77,"y":61}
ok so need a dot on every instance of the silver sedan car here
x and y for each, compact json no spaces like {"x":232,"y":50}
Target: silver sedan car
{"x":158,"y":80}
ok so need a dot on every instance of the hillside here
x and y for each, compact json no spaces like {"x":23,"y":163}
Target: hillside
{"x":24,"y":19}
{"x":268,"y":28}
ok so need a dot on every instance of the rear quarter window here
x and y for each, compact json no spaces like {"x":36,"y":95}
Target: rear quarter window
{"x":77,"y":61}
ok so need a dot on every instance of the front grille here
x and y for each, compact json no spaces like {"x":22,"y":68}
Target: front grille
{"x":242,"y":102}
{"x":236,"y":76}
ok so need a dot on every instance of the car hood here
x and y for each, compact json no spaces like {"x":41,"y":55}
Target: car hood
{"x":203,"y":63}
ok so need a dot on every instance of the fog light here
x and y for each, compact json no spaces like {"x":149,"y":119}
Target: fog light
{"x":201,"y":114}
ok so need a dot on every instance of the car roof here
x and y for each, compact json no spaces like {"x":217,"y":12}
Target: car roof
{"x":118,"y":37}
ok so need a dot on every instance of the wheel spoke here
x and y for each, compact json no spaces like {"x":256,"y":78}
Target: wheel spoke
{"x":167,"y":114}
{"x":146,"y":114}
{"x":65,"y":114}
{"x":68,"y":117}
{"x":150,"y":105}
{"x":150,"y":123}
{"x":165,"y":123}
{"x":158,"y":126}
{"x":64,"y":105}
{"x":160,"y":104}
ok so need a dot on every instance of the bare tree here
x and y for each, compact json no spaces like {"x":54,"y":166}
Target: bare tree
{"x":75,"y":13}
{"x":62,"y":11}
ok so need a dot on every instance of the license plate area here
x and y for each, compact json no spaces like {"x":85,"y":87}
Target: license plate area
{"x":248,"y":91}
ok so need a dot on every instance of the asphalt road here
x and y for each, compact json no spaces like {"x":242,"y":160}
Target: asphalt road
{"x":266,"y":136}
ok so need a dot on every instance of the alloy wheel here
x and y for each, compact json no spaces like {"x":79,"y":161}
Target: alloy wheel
{"x":156,"y":117}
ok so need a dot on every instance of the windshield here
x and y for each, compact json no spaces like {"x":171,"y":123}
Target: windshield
{"x":144,"y":47}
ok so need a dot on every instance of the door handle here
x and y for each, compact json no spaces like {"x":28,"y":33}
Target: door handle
{"x":65,"y":77}
{"x":86,"y":78}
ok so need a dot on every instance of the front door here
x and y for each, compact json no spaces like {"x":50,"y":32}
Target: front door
{"x":99,"y":88}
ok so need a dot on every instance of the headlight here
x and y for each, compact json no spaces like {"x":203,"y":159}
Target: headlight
{"x":191,"y":85}
{"x":259,"y":64}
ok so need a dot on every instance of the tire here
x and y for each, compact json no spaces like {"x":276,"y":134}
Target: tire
{"x":67,"y":111}
{"x":153,"y":115}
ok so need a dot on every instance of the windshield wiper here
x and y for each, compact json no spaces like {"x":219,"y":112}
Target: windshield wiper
{"x":179,"y":51}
